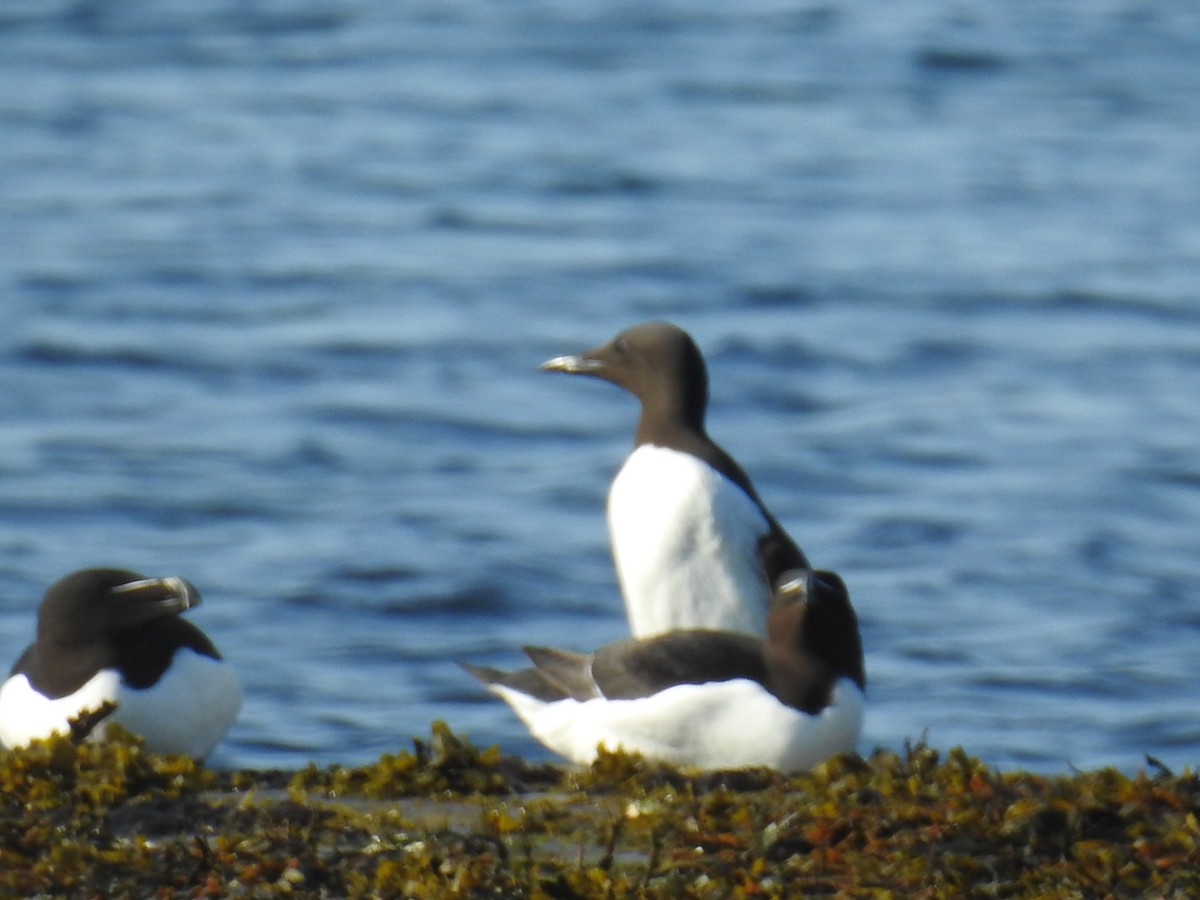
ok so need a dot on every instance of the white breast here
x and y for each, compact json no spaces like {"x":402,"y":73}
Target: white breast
{"x":685,"y":544}
{"x":188,"y":711}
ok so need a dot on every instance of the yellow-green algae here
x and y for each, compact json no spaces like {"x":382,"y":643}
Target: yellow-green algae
{"x":109,"y":820}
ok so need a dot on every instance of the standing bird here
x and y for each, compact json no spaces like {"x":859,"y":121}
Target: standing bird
{"x":703,"y":698}
{"x":693,"y":544}
{"x":111,"y":639}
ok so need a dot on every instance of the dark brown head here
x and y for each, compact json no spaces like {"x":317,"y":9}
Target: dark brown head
{"x":88,"y":617}
{"x":658,"y":363}
{"x":812,"y":638}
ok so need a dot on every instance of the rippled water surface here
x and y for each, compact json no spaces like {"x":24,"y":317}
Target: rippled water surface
{"x":276,"y":279}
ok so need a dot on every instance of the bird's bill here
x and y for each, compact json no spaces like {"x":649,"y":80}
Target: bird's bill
{"x":794,"y":585}
{"x":152,"y":598}
{"x":574,"y":365}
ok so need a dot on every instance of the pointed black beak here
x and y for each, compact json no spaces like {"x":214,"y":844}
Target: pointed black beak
{"x":152,"y":598}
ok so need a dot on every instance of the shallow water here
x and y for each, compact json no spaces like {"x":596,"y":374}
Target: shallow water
{"x":277,"y":279}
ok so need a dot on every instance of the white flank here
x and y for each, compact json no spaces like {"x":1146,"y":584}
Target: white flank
{"x":188,"y":711}
{"x":720,"y":725}
{"x":685,"y":545}
{"x":26,"y":714}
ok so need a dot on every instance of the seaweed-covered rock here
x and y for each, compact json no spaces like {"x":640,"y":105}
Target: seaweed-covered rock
{"x":448,"y":820}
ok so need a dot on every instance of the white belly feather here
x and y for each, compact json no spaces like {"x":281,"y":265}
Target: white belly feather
{"x":728,"y":724}
{"x":188,"y":711}
{"x":685,"y":545}
{"x":26,"y":714}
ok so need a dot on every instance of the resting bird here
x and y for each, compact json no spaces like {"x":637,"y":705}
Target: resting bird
{"x":703,"y":698}
{"x":693,"y":544}
{"x":111,"y":639}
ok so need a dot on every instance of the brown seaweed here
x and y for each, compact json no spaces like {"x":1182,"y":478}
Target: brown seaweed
{"x":107,"y":819}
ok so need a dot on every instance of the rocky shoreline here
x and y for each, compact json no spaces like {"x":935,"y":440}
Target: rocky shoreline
{"x":449,"y":820}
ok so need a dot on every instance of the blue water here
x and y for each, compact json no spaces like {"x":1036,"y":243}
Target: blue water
{"x":275,"y":278}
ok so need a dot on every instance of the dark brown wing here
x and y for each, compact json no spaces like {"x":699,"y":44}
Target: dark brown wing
{"x":527,"y":681}
{"x":638,"y":668}
{"x":570,"y":672}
